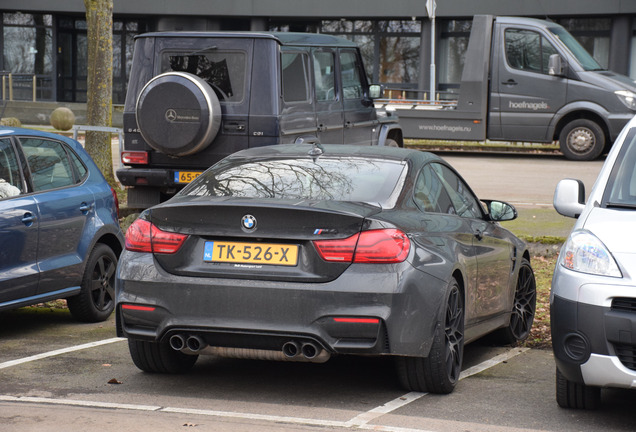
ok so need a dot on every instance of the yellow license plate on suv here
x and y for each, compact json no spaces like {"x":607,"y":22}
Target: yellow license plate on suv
{"x":250,"y":253}
{"x":185,"y":176}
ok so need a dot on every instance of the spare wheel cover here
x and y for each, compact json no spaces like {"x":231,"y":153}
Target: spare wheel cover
{"x":178,"y":113}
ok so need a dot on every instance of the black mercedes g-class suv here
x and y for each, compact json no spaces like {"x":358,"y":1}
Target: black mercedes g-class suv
{"x":196,"y":97}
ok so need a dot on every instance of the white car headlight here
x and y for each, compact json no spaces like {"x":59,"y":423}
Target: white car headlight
{"x":627,"y":97}
{"x":585,"y":253}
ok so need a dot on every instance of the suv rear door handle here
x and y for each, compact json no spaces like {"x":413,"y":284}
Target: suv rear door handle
{"x":510,"y":82}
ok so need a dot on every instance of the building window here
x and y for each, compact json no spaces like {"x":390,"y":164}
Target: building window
{"x":593,"y":34}
{"x":453,"y":44}
{"x":390,"y":49}
{"x":28,"y":52}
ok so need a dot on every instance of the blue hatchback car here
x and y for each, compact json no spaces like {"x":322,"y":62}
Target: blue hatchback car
{"x":59,"y":228}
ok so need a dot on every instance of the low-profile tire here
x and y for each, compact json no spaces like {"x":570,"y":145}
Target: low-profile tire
{"x":158,"y":357}
{"x":439,"y":372}
{"x":576,"y":395}
{"x":96,"y":299}
{"x":523,"y":308}
{"x":582,"y":140}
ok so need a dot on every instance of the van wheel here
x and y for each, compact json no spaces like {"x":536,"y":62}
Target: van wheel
{"x":439,"y":372}
{"x":96,"y":299}
{"x":575,"y":395}
{"x":582,"y":140}
{"x":178,"y":129}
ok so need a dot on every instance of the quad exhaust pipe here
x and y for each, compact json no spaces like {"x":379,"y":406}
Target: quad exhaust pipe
{"x":291,"y":350}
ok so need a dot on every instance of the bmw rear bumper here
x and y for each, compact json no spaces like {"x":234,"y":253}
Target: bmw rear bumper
{"x":369,"y":309}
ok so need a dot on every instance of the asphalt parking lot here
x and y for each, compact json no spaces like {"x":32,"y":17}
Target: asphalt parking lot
{"x":82,"y":377}
{"x":58,"y":374}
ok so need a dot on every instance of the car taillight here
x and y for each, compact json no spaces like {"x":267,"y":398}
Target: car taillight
{"x":143,"y":236}
{"x":134,"y":157}
{"x":376,"y":246}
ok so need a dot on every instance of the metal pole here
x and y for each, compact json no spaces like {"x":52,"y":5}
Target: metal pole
{"x":433,"y":59}
{"x":34,"y":87}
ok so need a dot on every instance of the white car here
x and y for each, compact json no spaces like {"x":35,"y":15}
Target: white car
{"x":593,"y":297}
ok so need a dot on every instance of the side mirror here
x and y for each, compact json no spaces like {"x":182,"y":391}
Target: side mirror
{"x":569,"y":198}
{"x":555,"y":65}
{"x":500,"y":211}
{"x":375,"y":91}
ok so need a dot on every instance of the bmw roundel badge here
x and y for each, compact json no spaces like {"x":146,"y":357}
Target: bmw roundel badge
{"x":248,"y":222}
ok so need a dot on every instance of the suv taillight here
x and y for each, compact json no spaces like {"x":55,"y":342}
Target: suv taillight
{"x":375,"y":246}
{"x":134,"y":157}
{"x":143,"y":236}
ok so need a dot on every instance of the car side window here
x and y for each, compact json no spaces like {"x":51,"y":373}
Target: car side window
{"x":350,"y":70}
{"x":49,"y":164}
{"x":10,"y":178}
{"x":295,"y":76}
{"x":528,"y":50}
{"x":324,"y":71}
{"x":464,"y":202}
{"x":430,"y":194}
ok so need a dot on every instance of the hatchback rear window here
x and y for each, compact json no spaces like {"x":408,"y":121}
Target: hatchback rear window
{"x":335,"y":179}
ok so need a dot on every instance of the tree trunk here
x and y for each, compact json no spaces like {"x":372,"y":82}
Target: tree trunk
{"x":99,"y":20}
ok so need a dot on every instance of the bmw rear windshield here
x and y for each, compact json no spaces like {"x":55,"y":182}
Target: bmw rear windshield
{"x":354,"y":179}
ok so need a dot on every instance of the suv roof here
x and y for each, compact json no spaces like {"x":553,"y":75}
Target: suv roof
{"x":283,"y":38}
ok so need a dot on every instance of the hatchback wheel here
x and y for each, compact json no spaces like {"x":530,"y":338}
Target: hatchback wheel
{"x":158,"y":357}
{"x":575,"y":395}
{"x":439,"y":372}
{"x":96,"y":300}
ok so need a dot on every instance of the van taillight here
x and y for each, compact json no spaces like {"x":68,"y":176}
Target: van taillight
{"x":134,"y":157}
{"x":375,"y":246}
{"x":143,"y":236}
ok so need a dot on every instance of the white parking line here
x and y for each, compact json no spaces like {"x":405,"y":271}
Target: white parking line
{"x":361,"y":421}
{"x":58,"y":352}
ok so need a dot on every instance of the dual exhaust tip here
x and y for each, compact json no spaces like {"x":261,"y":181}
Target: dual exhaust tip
{"x":308,"y":350}
{"x":179,"y":342}
{"x":291,"y":350}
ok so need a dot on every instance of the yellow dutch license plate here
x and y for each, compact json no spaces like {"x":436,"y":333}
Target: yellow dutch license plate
{"x":185,"y":176}
{"x":250,"y":253}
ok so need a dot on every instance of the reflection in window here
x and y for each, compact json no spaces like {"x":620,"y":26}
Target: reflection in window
{"x":9,"y":169}
{"x":453,"y":44}
{"x":336,"y":179}
{"x":390,"y":49}
{"x":324,"y":75}
{"x":350,"y":72}
{"x":465,"y":204}
{"x":593,"y":34}
{"x":295,"y":76}
{"x":621,"y":188}
{"x":28,"y":43}
{"x":528,"y":50}
{"x":49,"y":164}
{"x":224,"y":71}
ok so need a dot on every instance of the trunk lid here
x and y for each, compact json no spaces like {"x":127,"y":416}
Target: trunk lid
{"x":251,"y":238}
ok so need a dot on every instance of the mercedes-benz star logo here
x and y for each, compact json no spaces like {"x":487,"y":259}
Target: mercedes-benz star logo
{"x":249,"y":222}
{"x":171,"y":115}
